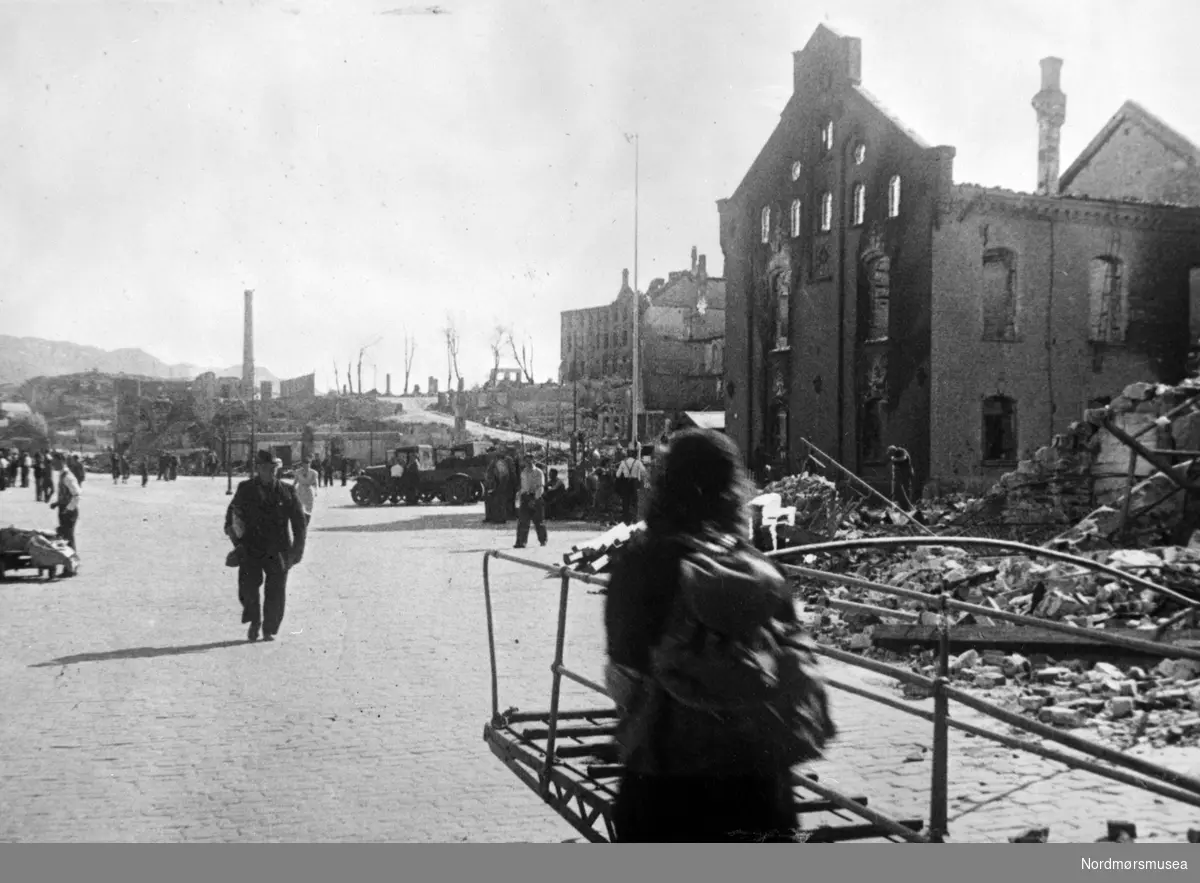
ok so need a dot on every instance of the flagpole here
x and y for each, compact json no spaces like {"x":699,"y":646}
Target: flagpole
{"x":635,"y":386}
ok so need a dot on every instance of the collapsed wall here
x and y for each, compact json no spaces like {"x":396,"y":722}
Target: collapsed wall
{"x":1080,"y":480}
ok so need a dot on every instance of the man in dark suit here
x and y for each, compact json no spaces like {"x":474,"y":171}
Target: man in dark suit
{"x":257,"y":522}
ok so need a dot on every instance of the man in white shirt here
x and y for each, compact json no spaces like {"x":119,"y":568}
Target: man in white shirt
{"x":531,"y":503}
{"x":67,"y":503}
{"x":306,"y":482}
{"x":397,"y":474}
{"x":631,"y":478}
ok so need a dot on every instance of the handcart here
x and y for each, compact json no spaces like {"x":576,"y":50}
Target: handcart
{"x":570,"y":757}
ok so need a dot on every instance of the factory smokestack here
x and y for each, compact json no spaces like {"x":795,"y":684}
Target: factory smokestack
{"x":248,"y":346}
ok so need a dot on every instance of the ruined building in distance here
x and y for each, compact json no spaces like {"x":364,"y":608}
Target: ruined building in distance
{"x":871,"y":301}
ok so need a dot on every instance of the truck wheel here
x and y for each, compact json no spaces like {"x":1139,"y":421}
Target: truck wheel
{"x":362,"y":494}
{"x":458,"y":491}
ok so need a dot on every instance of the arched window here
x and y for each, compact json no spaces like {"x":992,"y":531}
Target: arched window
{"x":999,"y":431}
{"x":894,"y":197}
{"x":827,"y":136}
{"x":766,"y":223}
{"x":795,"y":217}
{"x":999,"y":294}
{"x":860,"y":204}
{"x":826,"y":212}
{"x":1108,"y":301}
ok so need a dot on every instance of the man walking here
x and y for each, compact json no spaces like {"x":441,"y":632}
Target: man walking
{"x":531,"y":503}
{"x":329,"y":470}
{"x":257,"y":521}
{"x":631,"y":476}
{"x":67,"y":503}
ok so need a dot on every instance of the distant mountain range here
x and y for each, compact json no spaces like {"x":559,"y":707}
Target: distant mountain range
{"x":23,"y":358}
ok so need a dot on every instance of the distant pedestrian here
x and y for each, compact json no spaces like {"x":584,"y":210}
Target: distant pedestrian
{"x":115,"y":462}
{"x":257,"y":521}
{"x":67,"y":503}
{"x":173,"y":467}
{"x":531,"y":503}
{"x":39,"y":476}
{"x":345,"y":469}
{"x":631,"y":477}
{"x":145,"y":470}
{"x":124,"y":469}
{"x":319,"y":468}
{"x":26,"y":463}
{"x":48,"y":477}
{"x":76,"y":466}
{"x":329,"y":470}
{"x":306,"y":480}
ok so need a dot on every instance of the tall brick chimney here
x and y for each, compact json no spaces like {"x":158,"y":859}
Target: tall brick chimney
{"x":701,"y":268}
{"x":1051,"y":106}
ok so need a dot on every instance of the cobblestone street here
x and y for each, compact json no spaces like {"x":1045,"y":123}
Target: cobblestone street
{"x":134,"y":709}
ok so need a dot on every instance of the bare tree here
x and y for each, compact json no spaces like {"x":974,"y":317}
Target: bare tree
{"x":451,"y":334}
{"x":349,"y":376}
{"x":410,"y":349}
{"x":524,"y":355}
{"x":336,"y":382}
{"x":362,"y":351}
{"x":497,"y":344}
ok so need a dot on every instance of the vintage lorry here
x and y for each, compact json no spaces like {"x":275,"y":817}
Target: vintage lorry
{"x":454,"y":475}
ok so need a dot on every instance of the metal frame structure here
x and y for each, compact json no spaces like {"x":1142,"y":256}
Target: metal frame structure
{"x":570,"y":759}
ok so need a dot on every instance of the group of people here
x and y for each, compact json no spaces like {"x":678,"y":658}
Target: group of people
{"x":325,"y":469}
{"x":48,"y":470}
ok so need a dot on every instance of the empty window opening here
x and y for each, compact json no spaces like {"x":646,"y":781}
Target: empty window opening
{"x":999,"y":295}
{"x":894,"y":197}
{"x":860,"y":204}
{"x":872,"y":432}
{"x":826,"y":212}
{"x":779,"y":434}
{"x":766,"y":223}
{"x":999,"y":430}
{"x":797,"y":170}
{"x":1108,"y":300}
{"x":795,"y":217}
{"x":827,"y":136}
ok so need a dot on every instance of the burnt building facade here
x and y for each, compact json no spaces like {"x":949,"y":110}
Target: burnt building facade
{"x":872,"y":302}
{"x":596,"y":342}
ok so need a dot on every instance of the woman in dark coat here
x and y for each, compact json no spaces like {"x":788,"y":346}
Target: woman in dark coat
{"x":684,"y":783}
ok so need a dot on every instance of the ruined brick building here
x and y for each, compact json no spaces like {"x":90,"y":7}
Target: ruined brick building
{"x":871,"y":301}
{"x":682,"y":345}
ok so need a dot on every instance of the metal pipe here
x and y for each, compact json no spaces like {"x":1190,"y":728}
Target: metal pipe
{"x":938,"y":796}
{"x":580,"y":679}
{"x":1111,"y":755}
{"x":1100,"y":635}
{"x":976,"y":542}
{"x":854,"y":606}
{"x":1021,"y":745}
{"x":852,"y":806}
{"x":550,"y":568}
{"x":899,"y":674}
{"x":556,"y":682}
{"x":856,"y":479}
{"x":487,"y":598}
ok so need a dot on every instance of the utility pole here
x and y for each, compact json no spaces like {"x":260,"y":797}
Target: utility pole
{"x":635,"y":386}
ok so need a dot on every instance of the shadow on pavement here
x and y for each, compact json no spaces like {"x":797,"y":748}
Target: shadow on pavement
{"x":452,"y":521}
{"x":137,"y":653}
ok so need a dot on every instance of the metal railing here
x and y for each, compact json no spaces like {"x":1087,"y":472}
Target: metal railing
{"x":1123,"y":768}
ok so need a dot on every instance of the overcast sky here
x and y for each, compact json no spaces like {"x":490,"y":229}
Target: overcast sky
{"x":368,"y":169}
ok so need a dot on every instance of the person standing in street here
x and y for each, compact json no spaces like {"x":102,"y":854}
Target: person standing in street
{"x":67,"y":503}
{"x":39,"y":469}
{"x":257,"y":521}
{"x":306,"y":482}
{"x":531,"y":503}
{"x":631,"y":476}
{"x":25,"y":464}
{"x":145,"y":470}
{"x":329,"y":470}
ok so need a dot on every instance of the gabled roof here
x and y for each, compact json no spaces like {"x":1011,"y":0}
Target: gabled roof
{"x":1132,"y":112}
{"x":684,"y":291}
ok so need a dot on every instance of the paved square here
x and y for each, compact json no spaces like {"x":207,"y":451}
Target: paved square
{"x":135,"y":710}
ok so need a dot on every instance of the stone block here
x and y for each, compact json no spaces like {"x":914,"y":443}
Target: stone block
{"x":1139,"y":391}
{"x":1120,"y":707}
{"x":1051,"y":675}
{"x":1032,"y":703}
{"x":989,"y":680}
{"x":1057,"y":716}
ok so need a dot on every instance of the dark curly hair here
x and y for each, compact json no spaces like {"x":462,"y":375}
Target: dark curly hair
{"x":699,"y":487}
